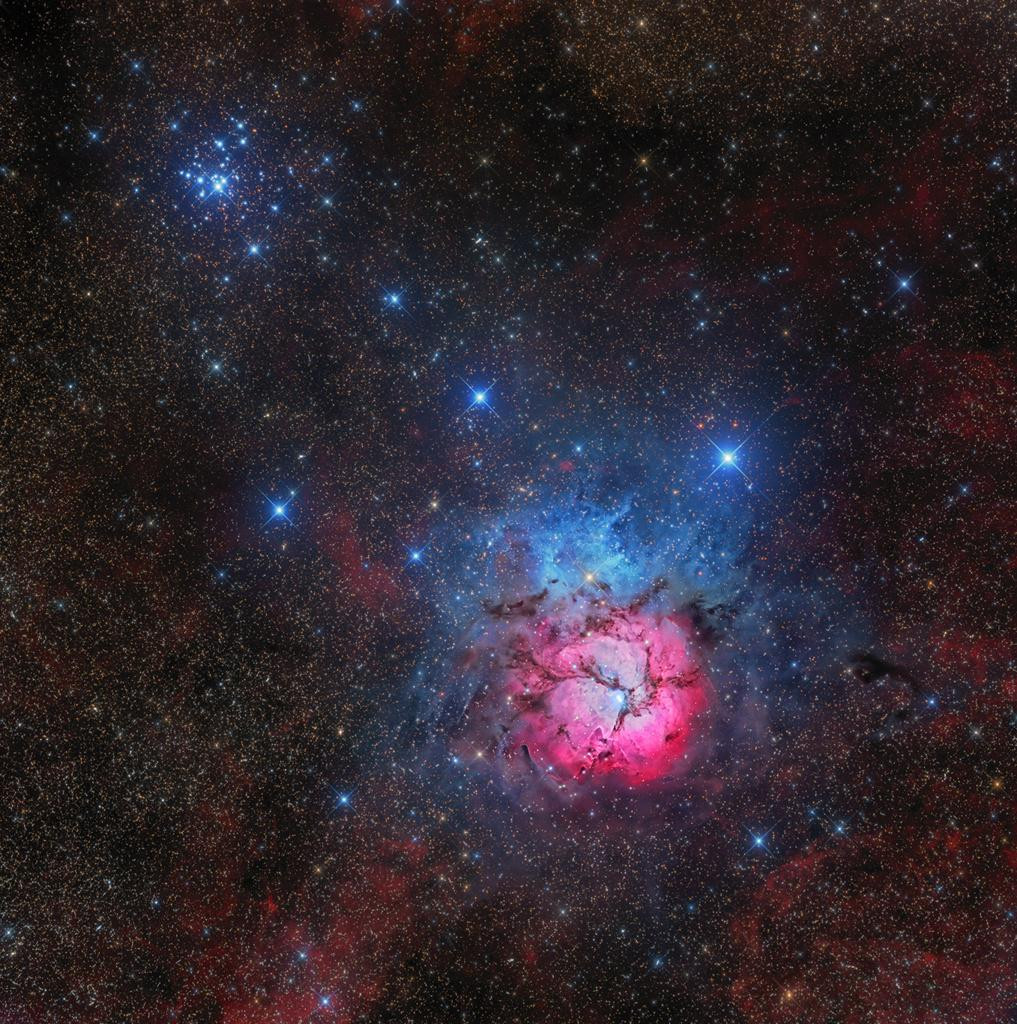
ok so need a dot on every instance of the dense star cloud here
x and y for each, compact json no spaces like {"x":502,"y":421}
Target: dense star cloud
{"x":509,"y":513}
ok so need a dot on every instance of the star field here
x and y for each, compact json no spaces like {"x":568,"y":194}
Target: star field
{"x":508,"y":513}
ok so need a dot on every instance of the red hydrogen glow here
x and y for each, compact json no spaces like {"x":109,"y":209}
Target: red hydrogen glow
{"x":615,"y":695}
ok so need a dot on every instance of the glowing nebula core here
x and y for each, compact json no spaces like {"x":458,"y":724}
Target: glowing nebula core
{"x":611,"y":693}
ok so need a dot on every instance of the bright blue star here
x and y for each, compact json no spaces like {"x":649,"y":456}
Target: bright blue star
{"x":208,"y":185}
{"x":343,"y":799}
{"x":480,"y":397}
{"x":728,"y":459}
{"x":758,"y":840}
{"x":279,"y":509}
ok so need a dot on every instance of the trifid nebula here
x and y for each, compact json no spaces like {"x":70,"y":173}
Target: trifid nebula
{"x":509,"y":512}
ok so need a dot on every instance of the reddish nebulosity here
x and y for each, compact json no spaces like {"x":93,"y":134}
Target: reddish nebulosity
{"x":908,"y":921}
{"x":337,"y":536}
{"x":339,"y":963}
{"x":480,"y":24}
{"x":472,"y":27}
{"x":321,"y":951}
{"x":966,"y":396}
{"x":896,"y":928}
{"x":615,"y":695}
{"x":971,"y":656}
